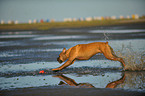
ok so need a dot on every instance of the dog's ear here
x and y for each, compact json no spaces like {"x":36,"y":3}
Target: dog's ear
{"x":61,"y":83}
{"x":64,"y":50}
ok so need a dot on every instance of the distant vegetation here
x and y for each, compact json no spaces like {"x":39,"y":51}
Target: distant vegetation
{"x":75,"y":24}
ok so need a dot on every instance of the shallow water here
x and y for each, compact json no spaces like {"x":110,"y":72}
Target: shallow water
{"x":24,"y":54}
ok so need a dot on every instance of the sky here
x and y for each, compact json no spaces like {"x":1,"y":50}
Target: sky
{"x":23,"y":10}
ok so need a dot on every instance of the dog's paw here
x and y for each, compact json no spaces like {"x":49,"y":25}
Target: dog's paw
{"x":55,"y":70}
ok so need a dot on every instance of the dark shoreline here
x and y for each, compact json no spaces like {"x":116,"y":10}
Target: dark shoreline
{"x":138,"y":25}
{"x":84,"y":31}
{"x":44,"y":91}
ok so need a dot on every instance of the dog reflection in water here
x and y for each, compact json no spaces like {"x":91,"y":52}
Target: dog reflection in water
{"x":71,"y":82}
{"x":115,"y":83}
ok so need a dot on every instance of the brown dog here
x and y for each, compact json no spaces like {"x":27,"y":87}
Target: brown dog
{"x":85,"y":52}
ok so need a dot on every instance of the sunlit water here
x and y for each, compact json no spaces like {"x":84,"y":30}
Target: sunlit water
{"x":24,"y":54}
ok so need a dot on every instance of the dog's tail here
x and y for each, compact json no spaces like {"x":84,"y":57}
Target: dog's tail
{"x":107,"y":42}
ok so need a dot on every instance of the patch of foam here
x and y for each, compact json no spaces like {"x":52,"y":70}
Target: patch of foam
{"x":70,"y":43}
{"x":58,"y":37}
{"x":21,"y":32}
{"x":41,"y":50}
{"x":51,"y":50}
{"x":8,"y":55}
{"x":10,"y":43}
{"x":117,"y":31}
{"x":16,"y":36}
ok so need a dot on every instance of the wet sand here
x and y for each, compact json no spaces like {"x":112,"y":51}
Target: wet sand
{"x":70,"y":92}
{"x":35,"y":49}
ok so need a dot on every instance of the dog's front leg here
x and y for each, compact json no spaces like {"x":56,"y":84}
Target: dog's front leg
{"x":66,"y":64}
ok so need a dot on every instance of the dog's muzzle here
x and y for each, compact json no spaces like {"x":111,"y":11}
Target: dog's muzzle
{"x":60,"y":61}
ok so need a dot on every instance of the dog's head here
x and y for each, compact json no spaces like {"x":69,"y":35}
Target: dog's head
{"x":62,"y":56}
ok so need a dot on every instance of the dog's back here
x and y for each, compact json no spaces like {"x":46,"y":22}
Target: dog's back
{"x":88,"y":50}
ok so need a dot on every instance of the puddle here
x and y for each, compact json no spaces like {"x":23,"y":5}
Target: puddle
{"x":127,"y":80}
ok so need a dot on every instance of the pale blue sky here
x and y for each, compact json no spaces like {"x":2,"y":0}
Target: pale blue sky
{"x":23,"y":10}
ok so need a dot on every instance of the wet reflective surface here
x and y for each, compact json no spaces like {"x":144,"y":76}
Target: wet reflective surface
{"x":24,"y":53}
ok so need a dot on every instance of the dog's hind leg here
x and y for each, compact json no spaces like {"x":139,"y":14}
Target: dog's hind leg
{"x":109,"y":54}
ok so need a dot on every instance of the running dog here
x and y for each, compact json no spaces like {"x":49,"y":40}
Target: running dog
{"x":85,"y":52}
